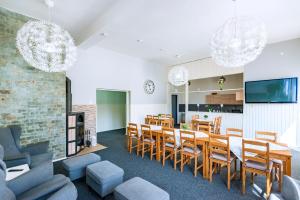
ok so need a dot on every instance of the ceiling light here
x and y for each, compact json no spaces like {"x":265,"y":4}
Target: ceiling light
{"x":140,"y":41}
{"x":45,"y":45}
{"x":178,"y":76}
{"x":238,"y":42}
{"x":178,"y":56}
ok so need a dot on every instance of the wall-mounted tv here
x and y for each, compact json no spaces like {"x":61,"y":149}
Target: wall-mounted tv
{"x":272,"y":91}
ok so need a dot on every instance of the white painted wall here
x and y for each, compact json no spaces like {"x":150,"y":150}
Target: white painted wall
{"x":100,"y":68}
{"x":278,"y":60}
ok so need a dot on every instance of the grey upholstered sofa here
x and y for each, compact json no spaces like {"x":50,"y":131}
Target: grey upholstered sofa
{"x":32,"y":155}
{"x":290,"y":190}
{"x":37,"y":184}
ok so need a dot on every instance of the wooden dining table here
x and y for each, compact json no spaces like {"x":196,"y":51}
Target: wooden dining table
{"x":277,"y":151}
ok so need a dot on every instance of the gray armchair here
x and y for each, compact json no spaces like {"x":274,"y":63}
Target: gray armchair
{"x":33,"y":154}
{"x":37,"y":184}
{"x":290,"y":190}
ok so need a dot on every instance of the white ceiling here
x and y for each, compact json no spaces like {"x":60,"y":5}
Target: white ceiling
{"x":166,"y":27}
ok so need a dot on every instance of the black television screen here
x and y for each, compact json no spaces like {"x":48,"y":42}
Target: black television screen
{"x":272,"y":91}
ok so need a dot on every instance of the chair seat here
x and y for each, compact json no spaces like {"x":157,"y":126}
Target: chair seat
{"x":258,"y":165}
{"x":134,"y":136}
{"x":171,"y":145}
{"x":149,"y":140}
{"x":191,"y":150}
{"x":221,"y":157}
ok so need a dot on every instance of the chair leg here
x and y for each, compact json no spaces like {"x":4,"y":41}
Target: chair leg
{"x":181,"y":162}
{"x":268,"y":185}
{"x":243,"y":180}
{"x":210,"y":170}
{"x":195,"y":165}
{"x":164,"y":157}
{"x":130,"y":146}
{"x":280,"y":178}
{"x":138,"y":147}
{"x":175,"y":159}
{"x":252,"y":178}
{"x":143,"y":150}
{"x":228,"y":176}
{"x":235,"y":169}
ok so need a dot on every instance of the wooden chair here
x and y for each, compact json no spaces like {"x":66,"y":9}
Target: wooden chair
{"x":219,"y":153}
{"x":234,"y":132}
{"x":166,"y":123}
{"x":266,"y":136}
{"x":155,"y":117}
{"x":169,"y":145}
{"x":163,"y":115}
{"x":204,"y":128}
{"x":153,"y":121}
{"x":169,"y":116}
{"x":277,"y":164}
{"x":148,"y":117}
{"x":132,"y":132}
{"x":256,"y":160}
{"x":189,"y":150}
{"x":147,"y":140}
{"x":217,"y":125}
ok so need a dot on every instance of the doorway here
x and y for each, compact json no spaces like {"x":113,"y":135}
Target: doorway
{"x":174,"y":104}
{"x":112,"y":109}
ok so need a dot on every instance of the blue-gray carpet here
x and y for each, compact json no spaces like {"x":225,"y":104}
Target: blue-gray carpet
{"x":180,"y":186}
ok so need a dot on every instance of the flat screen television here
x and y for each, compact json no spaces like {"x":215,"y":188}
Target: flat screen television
{"x":272,"y":91}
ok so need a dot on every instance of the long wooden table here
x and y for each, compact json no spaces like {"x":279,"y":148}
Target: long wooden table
{"x":283,"y":155}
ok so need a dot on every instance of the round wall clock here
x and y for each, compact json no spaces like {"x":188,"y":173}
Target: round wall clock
{"x":149,"y":87}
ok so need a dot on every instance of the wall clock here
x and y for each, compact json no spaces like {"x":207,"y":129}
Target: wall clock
{"x":149,"y":87}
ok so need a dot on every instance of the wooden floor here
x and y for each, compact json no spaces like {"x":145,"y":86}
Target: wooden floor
{"x":91,"y":149}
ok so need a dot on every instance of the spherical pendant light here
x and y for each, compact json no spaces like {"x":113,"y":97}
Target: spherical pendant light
{"x":238,"y":42}
{"x":45,"y":45}
{"x":178,"y":76}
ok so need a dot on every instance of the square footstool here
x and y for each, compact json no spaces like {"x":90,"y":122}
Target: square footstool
{"x":75,"y":167}
{"x":103,"y":177}
{"x":137,"y":189}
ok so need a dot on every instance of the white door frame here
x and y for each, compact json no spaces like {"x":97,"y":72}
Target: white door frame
{"x":128,"y":103}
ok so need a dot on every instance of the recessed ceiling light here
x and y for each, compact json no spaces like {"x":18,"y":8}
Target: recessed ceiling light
{"x":140,"y":41}
{"x":161,"y":49}
{"x":282,"y":53}
{"x":103,"y":34}
{"x":178,"y":56}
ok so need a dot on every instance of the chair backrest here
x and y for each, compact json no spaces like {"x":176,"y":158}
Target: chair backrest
{"x":166,"y":123}
{"x":149,"y":116}
{"x":266,"y":136}
{"x":153,"y":121}
{"x":132,"y":130}
{"x":163,"y":115}
{"x":256,"y":151}
{"x":155,"y":117}
{"x":204,"y":128}
{"x":195,"y":117}
{"x":219,"y":144}
{"x":169,"y":136}
{"x":217,"y":125}
{"x":168,"y":115}
{"x":234,"y":132}
{"x":146,"y":132}
{"x":188,"y":139}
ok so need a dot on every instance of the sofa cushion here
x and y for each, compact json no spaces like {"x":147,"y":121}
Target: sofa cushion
{"x":258,"y":165}
{"x":291,"y":188}
{"x":46,"y":188}
{"x":105,"y":171}
{"x":137,"y":189}
{"x":40,"y":158}
{"x":8,"y":142}
{"x":5,"y":192}
{"x":79,"y":162}
{"x":68,"y":192}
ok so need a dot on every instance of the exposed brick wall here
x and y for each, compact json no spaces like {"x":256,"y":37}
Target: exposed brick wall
{"x":31,"y":98}
{"x":90,"y":112}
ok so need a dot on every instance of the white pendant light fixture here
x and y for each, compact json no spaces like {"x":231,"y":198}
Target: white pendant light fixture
{"x":45,"y":45}
{"x":239,"y":41}
{"x":178,"y":76}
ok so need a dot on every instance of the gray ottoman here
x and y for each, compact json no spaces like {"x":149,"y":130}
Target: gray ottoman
{"x":137,"y":189}
{"x":103,"y":177}
{"x":75,"y":167}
